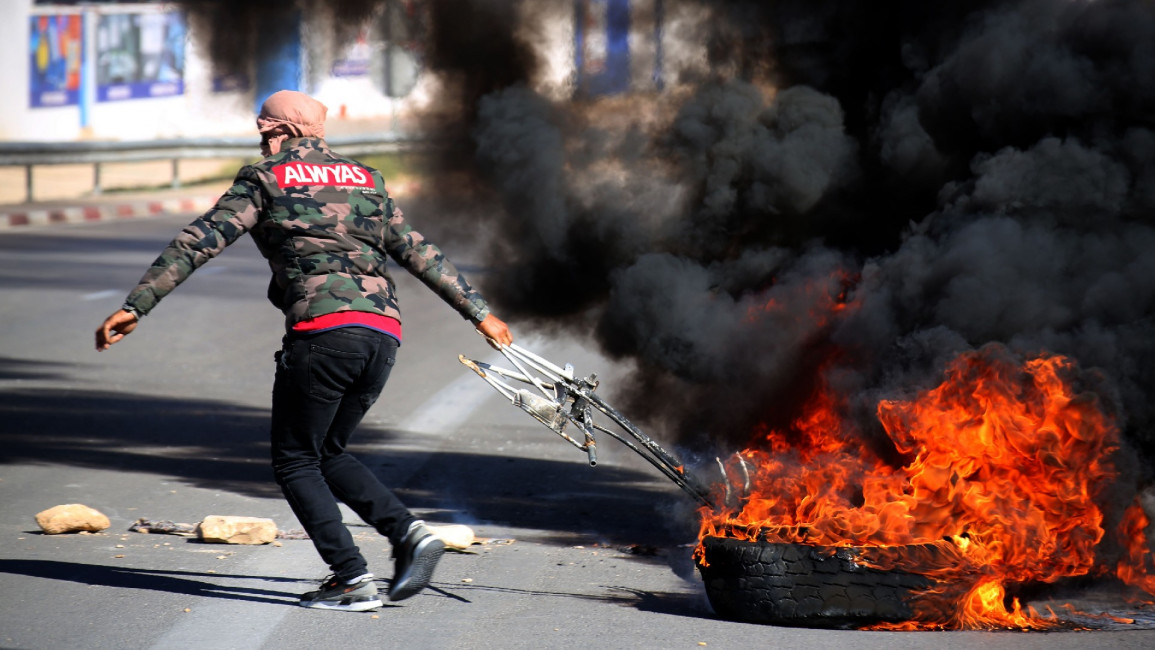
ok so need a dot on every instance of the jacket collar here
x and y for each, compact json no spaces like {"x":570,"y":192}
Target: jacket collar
{"x":317,"y":144}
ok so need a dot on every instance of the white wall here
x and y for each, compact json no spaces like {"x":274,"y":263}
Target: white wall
{"x":199,"y":112}
{"x":212,"y":114}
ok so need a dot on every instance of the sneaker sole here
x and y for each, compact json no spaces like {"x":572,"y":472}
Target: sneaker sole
{"x":427,"y":554}
{"x":356,"y":606}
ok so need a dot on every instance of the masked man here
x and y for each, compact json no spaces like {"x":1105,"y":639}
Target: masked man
{"x":327,"y":226}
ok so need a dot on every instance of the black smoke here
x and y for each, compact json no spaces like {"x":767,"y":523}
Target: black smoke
{"x":955,"y":173}
{"x":959,"y":173}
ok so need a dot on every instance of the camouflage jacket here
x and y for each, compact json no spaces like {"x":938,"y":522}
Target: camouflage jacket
{"x":326,"y":225}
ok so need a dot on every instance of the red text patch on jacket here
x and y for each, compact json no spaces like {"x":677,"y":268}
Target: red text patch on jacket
{"x":340,"y":174}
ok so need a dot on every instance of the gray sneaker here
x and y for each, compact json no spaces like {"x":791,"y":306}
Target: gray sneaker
{"x":357,"y":595}
{"x":415,"y":558}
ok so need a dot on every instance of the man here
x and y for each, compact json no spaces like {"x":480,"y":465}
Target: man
{"x":326,"y":225}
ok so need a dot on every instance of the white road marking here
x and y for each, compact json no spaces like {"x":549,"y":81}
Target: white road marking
{"x":235,"y":622}
{"x":451,"y":406}
{"x":215,"y":623}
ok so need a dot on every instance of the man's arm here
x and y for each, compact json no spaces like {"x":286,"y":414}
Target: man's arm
{"x":200,"y":241}
{"x":426,"y":261}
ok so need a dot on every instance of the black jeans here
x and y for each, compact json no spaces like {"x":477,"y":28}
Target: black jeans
{"x":325,"y":384}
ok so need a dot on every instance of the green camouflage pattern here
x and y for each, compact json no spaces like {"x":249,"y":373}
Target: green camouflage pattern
{"x":327,"y":243}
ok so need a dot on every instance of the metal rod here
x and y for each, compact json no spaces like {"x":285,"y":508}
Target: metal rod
{"x":676,"y":467}
{"x":579,"y":395}
{"x":669,"y":473}
{"x":504,"y":372}
{"x":725,"y":480}
{"x":518,"y":358}
{"x":545,"y":364}
{"x":745,"y":473}
{"x":534,"y":380}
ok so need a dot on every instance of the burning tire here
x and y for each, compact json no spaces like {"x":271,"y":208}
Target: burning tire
{"x":800,"y":585}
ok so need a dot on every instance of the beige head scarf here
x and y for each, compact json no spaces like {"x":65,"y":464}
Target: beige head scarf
{"x":289,"y":114}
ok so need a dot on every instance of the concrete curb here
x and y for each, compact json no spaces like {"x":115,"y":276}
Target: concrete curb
{"x":16,"y":216}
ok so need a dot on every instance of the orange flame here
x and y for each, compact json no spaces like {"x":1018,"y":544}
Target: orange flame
{"x":1003,"y":464}
{"x":1134,"y":568}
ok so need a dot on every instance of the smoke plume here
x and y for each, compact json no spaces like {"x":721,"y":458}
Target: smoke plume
{"x":827,"y":191}
{"x":956,"y":175}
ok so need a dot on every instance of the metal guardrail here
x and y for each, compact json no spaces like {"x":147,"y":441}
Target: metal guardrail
{"x":32,"y":154}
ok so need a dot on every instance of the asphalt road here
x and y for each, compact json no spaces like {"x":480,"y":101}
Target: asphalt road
{"x":171,"y":425}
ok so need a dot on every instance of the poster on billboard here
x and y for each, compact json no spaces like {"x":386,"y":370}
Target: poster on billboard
{"x":139,"y":55}
{"x":56,"y":50}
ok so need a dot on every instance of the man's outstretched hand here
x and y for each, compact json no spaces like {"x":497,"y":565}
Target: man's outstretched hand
{"x":495,"y":331}
{"x":115,"y":327}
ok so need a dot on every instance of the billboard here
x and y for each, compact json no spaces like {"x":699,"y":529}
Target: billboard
{"x":139,"y":55}
{"x":56,"y":50}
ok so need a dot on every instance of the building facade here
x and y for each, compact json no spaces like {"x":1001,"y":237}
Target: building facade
{"x":133,"y":70}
